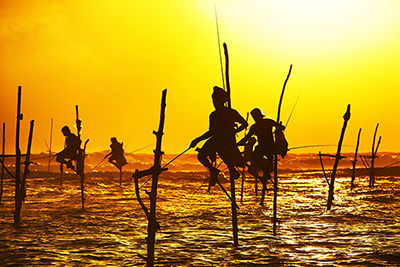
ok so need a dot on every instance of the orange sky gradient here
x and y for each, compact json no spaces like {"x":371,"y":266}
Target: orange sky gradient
{"x":114,"y":58}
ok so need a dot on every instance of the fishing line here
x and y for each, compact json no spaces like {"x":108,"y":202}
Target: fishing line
{"x":176,"y":157}
{"x":140,"y":149}
{"x":219,"y":46}
{"x":295,"y":104}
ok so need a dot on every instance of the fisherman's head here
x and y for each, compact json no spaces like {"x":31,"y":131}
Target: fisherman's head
{"x":219,"y":96}
{"x":113,"y":139}
{"x":66,"y":131}
{"x":257,"y":114}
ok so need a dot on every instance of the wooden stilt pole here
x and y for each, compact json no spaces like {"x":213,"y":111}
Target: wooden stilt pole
{"x":155,"y":171}
{"x":354,"y":162}
{"x":2,"y":160}
{"x":243,"y":175}
{"x":242,"y":186}
{"x":275,"y":218}
{"x":80,"y":168}
{"x":27,"y":162}
{"x":232,"y":181}
{"x":61,"y":174}
{"x":373,"y":156}
{"x":17,"y":213}
{"x":51,"y":138}
{"x":256,"y":185}
{"x":263,"y":192}
{"x":346,"y":118}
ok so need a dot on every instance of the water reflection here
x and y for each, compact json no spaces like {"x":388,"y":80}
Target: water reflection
{"x":361,"y":229}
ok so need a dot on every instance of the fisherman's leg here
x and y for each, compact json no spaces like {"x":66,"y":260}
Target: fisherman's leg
{"x":61,"y":157}
{"x":253,"y":170}
{"x":204,"y":153}
{"x":70,"y":165}
{"x":233,"y":173}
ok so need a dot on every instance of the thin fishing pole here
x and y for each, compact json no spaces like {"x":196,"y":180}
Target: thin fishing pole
{"x":197,"y":190}
{"x":139,"y":149}
{"x":151,"y":177}
{"x":166,"y":165}
{"x":219,"y":46}
{"x":4,"y":166}
{"x":287,"y":122}
{"x":176,"y":158}
{"x":299,"y":147}
{"x":99,"y":163}
{"x":204,"y":183}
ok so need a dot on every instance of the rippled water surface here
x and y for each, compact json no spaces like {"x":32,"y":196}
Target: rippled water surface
{"x":362,"y":229}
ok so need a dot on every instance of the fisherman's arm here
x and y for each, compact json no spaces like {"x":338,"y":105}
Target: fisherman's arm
{"x":243,"y":123}
{"x":244,"y":140}
{"x":202,"y":137}
{"x":279,"y":126}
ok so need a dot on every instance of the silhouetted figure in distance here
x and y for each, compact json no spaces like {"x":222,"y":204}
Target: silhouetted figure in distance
{"x":263,"y":130}
{"x":117,"y":154}
{"x":221,"y":137}
{"x":70,"y":152}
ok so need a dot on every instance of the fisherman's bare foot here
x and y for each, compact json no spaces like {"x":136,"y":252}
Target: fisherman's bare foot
{"x":70,"y":165}
{"x":265,"y":178}
{"x":234,"y":174}
{"x":214,"y":176}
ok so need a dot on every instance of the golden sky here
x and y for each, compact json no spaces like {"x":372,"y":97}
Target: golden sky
{"x":114,"y":58}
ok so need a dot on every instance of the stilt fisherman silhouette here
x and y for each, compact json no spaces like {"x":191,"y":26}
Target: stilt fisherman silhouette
{"x":70,"y":152}
{"x":263,"y":130}
{"x":117,"y":154}
{"x":221,"y":135}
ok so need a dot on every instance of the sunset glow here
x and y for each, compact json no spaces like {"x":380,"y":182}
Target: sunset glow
{"x":113,"y":59}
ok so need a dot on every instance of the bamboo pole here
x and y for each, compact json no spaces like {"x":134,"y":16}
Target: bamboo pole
{"x":155,"y":171}
{"x":353,"y":174}
{"x":51,"y":138}
{"x":2,"y":160}
{"x":235,"y":229}
{"x":373,"y":156}
{"x":346,"y":118}
{"x":322,"y":166}
{"x":243,"y":175}
{"x":275,"y":219}
{"x":17,"y":213}
{"x":27,"y":162}
{"x":61,"y":174}
{"x":81,"y":158}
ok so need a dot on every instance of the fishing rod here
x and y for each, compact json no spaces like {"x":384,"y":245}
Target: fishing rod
{"x":99,"y":163}
{"x":295,"y":104}
{"x":139,"y":149}
{"x":4,"y":166}
{"x":382,"y":168}
{"x":166,"y":165}
{"x":186,"y":150}
{"x":125,"y":154}
{"x":299,"y":147}
{"x":219,"y":45}
{"x":151,"y":177}
{"x":197,"y":190}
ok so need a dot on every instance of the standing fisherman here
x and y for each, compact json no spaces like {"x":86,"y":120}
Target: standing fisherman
{"x":72,"y":145}
{"x":117,"y":154}
{"x":262,"y":128}
{"x":221,"y":137}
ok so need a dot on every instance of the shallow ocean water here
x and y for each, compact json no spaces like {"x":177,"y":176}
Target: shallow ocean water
{"x":362,"y":229}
